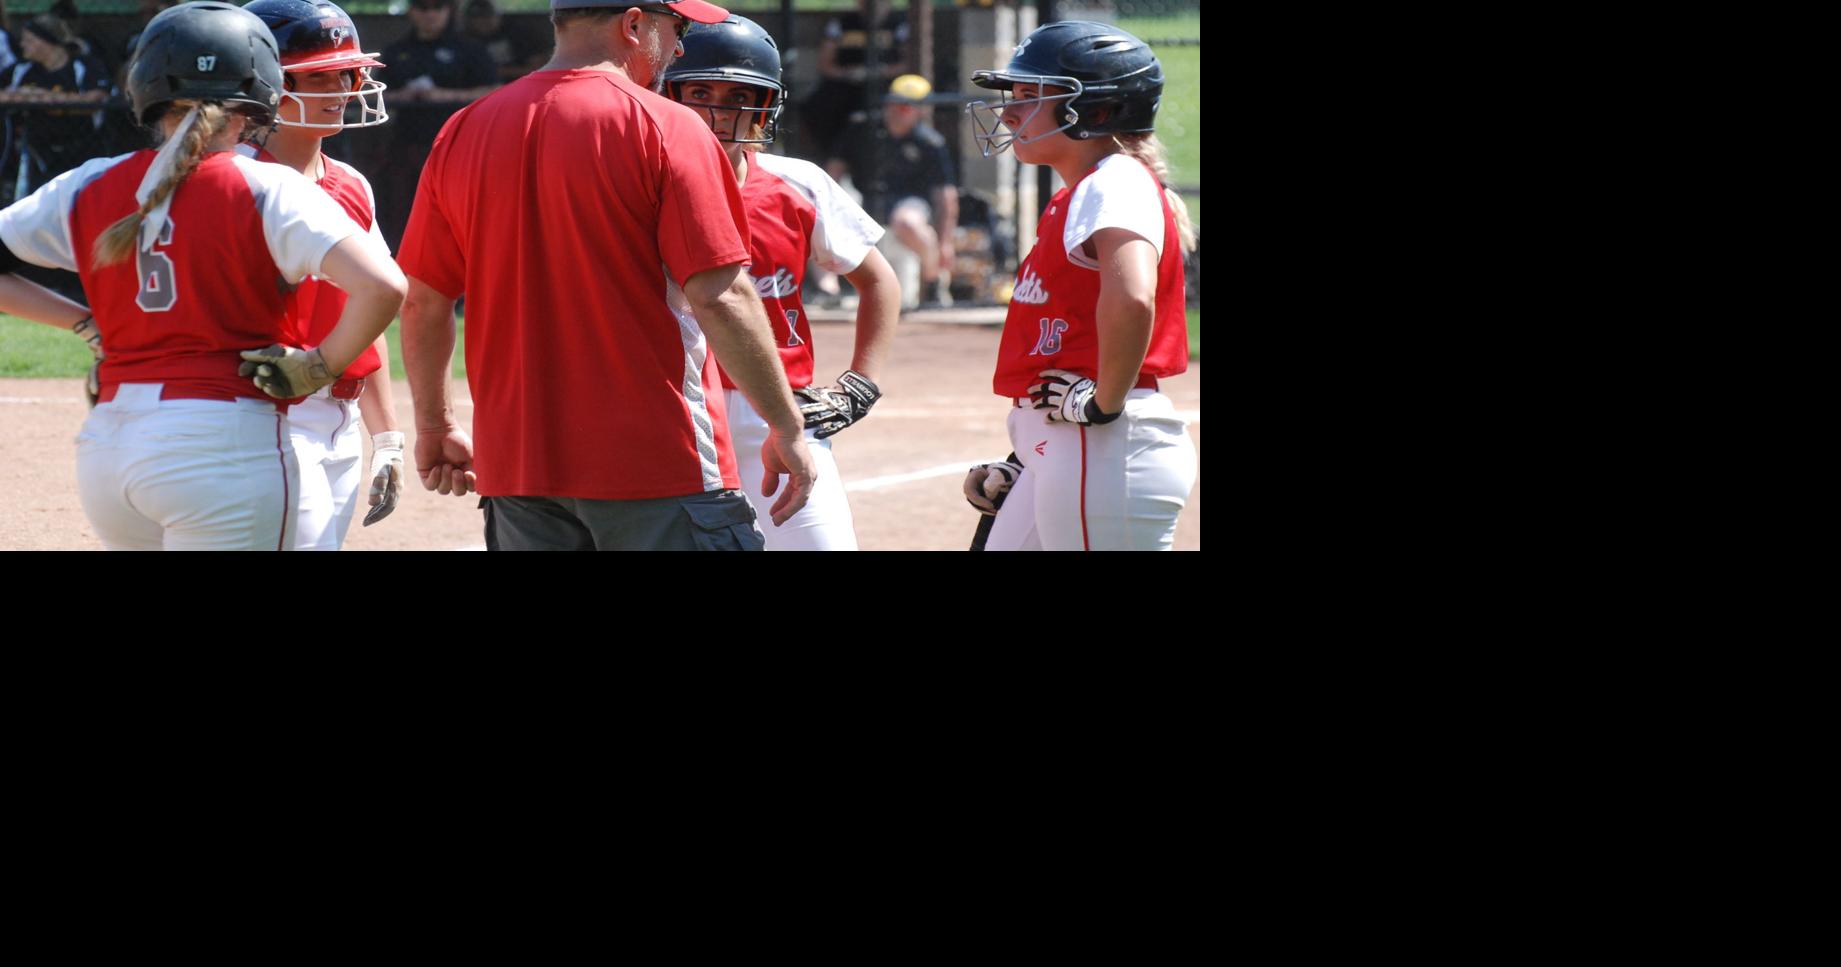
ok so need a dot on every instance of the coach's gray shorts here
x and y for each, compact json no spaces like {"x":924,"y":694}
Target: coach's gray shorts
{"x":719,"y":520}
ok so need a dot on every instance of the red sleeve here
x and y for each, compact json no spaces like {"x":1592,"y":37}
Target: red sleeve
{"x":701,"y":224}
{"x":429,"y":250}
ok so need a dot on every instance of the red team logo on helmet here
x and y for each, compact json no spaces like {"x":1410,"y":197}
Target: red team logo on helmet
{"x":316,"y":37}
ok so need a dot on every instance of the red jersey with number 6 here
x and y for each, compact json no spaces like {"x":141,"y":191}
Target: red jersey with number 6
{"x":238,"y":234}
{"x":1052,"y":322}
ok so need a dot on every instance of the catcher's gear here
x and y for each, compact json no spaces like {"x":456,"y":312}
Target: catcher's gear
{"x":831,"y":410}
{"x":1070,"y":398}
{"x":318,"y":36}
{"x":739,"y":51}
{"x":92,"y":383}
{"x":1114,"y":83}
{"x":206,"y":51}
{"x":987,"y":484}
{"x":285,"y":372}
{"x":386,"y":474}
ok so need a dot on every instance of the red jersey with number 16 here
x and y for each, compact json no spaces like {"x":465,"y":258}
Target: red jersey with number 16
{"x":238,"y":232}
{"x":1052,"y":322}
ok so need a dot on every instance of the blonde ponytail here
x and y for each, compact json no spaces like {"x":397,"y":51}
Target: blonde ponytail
{"x":118,"y":240}
{"x":1147,"y":149}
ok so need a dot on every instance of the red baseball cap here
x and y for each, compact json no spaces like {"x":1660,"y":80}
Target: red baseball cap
{"x":698,"y":10}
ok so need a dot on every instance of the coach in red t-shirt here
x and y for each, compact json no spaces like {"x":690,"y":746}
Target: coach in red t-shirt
{"x":598,"y":235}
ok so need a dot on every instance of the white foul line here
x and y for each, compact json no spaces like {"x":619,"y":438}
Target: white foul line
{"x":877,"y":483}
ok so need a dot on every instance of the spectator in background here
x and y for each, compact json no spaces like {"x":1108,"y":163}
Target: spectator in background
{"x":48,"y":141}
{"x":515,"y":51}
{"x":87,"y":48}
{"x":843,"y":70}
{"x":902,"y":167}
{"x":432,"y":73}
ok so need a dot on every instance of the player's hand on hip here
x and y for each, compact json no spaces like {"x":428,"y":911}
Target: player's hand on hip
{"x":285,"y":372}
{"x":830,"y":410}
{"x":987,"y":484}
{"x":386,"y":474}
{"x":789,"y":456}
{"x":1070,"y":398}
{"x":444,"y":460}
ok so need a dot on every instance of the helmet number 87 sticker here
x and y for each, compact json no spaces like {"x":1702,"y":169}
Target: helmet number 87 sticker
{"x":156,"y":273}
{"x":1049,"y":343}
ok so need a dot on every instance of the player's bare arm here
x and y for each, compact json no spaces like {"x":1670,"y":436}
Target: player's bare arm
{"x":374,"y":290}
{"x":28,"y":300}
{"x":444,"y":452}
{"x":730,"y":312}
{"x":1126,"y":312}
{"x":878,"y":310}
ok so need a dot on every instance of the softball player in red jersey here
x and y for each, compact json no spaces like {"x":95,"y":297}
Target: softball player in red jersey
{"x":730,"y":73}
{"x":184,"y":253}
{"x":1097,"y":316}
{"x":327,"y":71}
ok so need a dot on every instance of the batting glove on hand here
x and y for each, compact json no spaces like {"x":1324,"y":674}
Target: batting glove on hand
{"x":987,"y":484}
{"x":285,"y":372}
{"x":386,"y":474}
{"x":92,"y":384}
{"x":830,"y":410}
{"x":86,"y":327}
{"x":1069,"y":398}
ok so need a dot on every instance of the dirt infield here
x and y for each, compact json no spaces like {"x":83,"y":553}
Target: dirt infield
{"x":902,"y":467}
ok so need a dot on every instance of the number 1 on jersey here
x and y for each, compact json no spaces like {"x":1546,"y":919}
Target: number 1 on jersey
{"x":156,"y":272}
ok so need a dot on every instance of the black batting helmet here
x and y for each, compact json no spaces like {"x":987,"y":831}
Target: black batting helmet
{"x":206,"y":51}
{"x":1115,"y":80}
{"x":739,"y":51}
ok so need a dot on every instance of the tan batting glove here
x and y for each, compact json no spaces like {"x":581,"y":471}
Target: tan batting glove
{"x":285,"y":372}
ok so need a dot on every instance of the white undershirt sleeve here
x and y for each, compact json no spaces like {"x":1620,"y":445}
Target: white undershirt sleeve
{"x":37,"y":227}
{"x":843,"y":233}
{"x":1120,"y":193}
{"x":300,"y":222}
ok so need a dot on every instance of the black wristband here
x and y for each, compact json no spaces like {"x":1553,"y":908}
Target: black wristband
{"x":1096,"y":416}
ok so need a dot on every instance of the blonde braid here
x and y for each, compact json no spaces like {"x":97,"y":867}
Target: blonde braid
{"x":118,"y":240}
{"x":1147,"y":149}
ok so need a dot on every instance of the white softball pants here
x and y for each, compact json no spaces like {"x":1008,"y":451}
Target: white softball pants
{"x":1116,"y":487}
{"x":824,"y":523}
{"x":187,"y":474}
{"x":330,"y":449}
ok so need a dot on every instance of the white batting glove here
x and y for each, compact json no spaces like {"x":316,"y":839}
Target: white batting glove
{"x":987,"y":484}
{"x":386,"y":474}
{"x":1069,"y":398}
{"x":285,"y":372}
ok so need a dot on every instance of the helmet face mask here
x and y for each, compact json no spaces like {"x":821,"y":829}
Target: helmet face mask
{"x":993,"y":136}
{"x":369,"y":97}
{"x":735,"y":51}
{"x":765,"y":114}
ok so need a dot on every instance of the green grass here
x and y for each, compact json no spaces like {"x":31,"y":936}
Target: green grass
{"x":1179,"y":117}
{"x":32,"y":351}
{"x":1195,"y":334}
